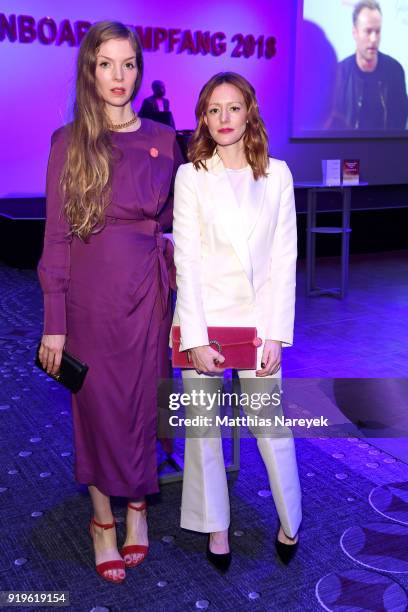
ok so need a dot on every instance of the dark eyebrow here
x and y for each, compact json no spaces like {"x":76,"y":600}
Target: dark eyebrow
{"x":125,"y":60}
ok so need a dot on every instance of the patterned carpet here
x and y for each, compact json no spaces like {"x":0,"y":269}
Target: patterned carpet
{"x":354,"y":538}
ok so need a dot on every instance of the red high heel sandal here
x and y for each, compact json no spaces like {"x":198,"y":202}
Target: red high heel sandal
{"x":140,"y":549}
{"x":116,"y":564}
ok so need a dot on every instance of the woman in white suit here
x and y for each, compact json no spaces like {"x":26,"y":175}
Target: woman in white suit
{"x":235,"y":253}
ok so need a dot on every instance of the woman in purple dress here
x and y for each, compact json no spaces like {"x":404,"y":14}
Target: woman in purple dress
{"x":104,"y":274}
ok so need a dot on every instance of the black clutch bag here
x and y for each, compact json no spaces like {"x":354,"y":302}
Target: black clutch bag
{"x":71,"y":374}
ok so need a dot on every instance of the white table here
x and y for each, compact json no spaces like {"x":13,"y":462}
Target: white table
{"x":313,"y":189}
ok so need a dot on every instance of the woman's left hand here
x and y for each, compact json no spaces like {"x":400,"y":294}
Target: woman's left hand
{"x":271,"y":358}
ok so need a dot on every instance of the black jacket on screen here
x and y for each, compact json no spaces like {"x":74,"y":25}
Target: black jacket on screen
{"x":371,"y":100}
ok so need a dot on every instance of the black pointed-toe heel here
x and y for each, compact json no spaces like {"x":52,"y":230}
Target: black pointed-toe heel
{"x":220,"y":562}
{"x":286,"y":552}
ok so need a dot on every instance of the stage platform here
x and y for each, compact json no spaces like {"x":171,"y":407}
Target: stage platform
{"x":379,"y":217}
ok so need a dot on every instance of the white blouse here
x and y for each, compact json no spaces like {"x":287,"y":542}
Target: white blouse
{"x":241,"y":181}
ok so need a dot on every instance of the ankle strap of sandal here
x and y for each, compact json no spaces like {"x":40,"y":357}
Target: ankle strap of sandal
{"x":142,"y":506}
{"x":103,"y":525}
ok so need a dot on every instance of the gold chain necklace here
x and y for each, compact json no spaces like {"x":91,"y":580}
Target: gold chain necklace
{"x":121,"y":126}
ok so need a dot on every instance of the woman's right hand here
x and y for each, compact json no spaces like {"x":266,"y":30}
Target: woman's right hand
{"x":50,"y":352}
{"x":205,"y":360}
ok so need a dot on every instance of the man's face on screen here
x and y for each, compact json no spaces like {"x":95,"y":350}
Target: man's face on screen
{"x":367,"y":34}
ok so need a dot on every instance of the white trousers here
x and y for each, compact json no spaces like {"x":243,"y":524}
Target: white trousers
{"x":205,"y":502}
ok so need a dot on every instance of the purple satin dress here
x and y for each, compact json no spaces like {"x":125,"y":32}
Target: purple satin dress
{"x":110,"y":295}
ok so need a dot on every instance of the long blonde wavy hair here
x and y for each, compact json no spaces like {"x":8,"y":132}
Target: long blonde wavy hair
{"x":86,"y":175}
{"x":255,"y":139}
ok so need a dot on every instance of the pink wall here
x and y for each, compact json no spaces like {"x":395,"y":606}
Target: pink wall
{"x":38,"y":79}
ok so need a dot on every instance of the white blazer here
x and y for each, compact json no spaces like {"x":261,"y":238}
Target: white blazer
{"x":236,"y":265}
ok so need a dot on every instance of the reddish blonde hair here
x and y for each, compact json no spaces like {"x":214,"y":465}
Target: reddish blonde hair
{"x":86,"y":175}
{"x":202,"y":146}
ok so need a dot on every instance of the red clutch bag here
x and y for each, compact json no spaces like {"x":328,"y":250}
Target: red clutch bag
{"x":237,"y":344}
